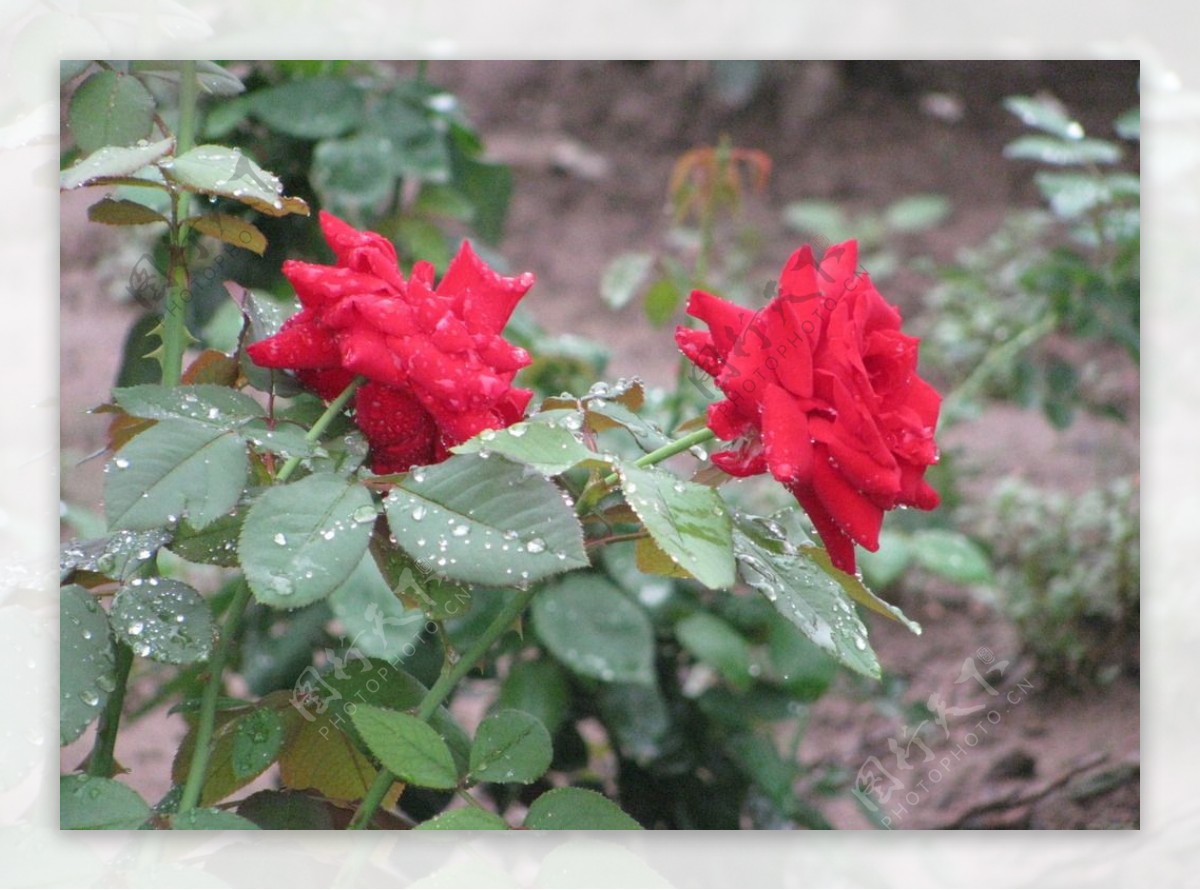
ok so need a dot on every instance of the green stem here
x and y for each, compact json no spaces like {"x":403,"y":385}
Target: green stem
{"x":334,"y":409}
{"x":202,"y":750}
{"x":593,"y":493}
{"x":449,"y":678}
{"x":102,"y":762}
{"x":174,"y":333}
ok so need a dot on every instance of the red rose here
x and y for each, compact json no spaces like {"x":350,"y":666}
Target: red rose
{"x":438,"y":369}
{"x":821,"y":389}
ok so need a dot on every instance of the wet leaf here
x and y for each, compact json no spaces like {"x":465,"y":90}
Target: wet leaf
{"x":116,"y":556}
{"x":228,"y":173}
{"x":805,"y":594}
{"x":544,"y":444}
{"x":1046,"y":114}
{"x":110,"y":108}
{"x":486,"y":521}
{"x":689,"y":522}
{"x":113,"y":162}
{"x":565,"y":809}
{"x":210,"y":819}
{"x":466,"y":819}
{"x":407,"y":747}
{"x":592,"y":628}
{"x":173,"y":469}
{"x":94,"y":803}
{"x":952,"y":555}
{"x":87,"y":662}
{"x":163,"y":619}
{"x":1063,"y":152}
{"x":286,"y":811}
{"x":300,"y":541}
{"x":203,"y":403}
{"x":257,"y":740}
{"x":539,"y":688}
{"x":375,"y":622}
{"x":510,"y":746}
{"x":310,"y":107}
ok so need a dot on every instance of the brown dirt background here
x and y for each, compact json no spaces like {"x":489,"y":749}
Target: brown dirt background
{"x":591,"y":145}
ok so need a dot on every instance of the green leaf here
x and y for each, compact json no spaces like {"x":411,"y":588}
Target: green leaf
{"x":175,"y":468}
{"x":300,"y":541}
{"x":110,"y":108}
{"x":489,"y":187}
{"x":406,"y":746}
{"x":917,"y":213}
{"x":801,"y":668}
{"x":354,"y":172}
{"x":113,"y":162}
{"x":805,"y":595}
{"x":210,"y":819}
{"x":87,"y":662}
{"x":215,"y":544}
{"x":223,"y":171}
{"x":375,"y":621}
{"x":858,"y":591}
{"x":565,"y":809}
{"x":624,"y":276}
{"x":123,"y":213}
{"x":1063,"y":152}
{"x":485,"y":521}
{"x":285,"y":439}
{"x":688,"y":521}
{"x":1129,"y":124}
{"x":539,"y":688}
{"x":465,"y":819}
{"x":952,"y":555}
{"x":117,"y":556}
{"x":163,"y":619}
{"x":286,"y":811}
{"x":717,"y":643}
{"x":637,"y":717}
{"x":592,"y":628}
{"x":310,"y":108}
{"x":95,"y":803}
{"x":510,"y":746}
{"x":205,"y":403}
{"x":231,"y":230}
{"x":1071,"y":195}
{"x":1046,"y":114}
{"x":257,"y":740}
{"x":544,"y":445}
{"x":662,"y":299}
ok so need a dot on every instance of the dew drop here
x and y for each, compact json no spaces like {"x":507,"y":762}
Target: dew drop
{"x":121,"y":463}
{"x":418,"y":512}
{"x":280,"y":539}
{"x":282,"y":585}
{"x":535,"y":545}
{"x":135,"y":628}
{"x":365,"y":513}
{"x":517,"y":430}
{"x":328,"y":534}
{"x":89,"y":697}
{"x":460,"y":531}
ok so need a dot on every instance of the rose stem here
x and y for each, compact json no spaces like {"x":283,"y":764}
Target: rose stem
{"x":174,"y":340}
{"x":206,"y":721}
{"x":594,"y":492}
{"x":174,"y":333}
{"x":450,"y":676}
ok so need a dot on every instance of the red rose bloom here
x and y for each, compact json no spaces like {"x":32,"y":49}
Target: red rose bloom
{"x":438,"y":369}
{"x":821,"y":389}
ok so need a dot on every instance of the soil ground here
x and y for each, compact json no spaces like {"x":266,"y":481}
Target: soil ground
{"x":592,"y":145}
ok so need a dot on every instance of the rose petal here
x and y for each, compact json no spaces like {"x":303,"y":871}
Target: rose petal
{"x":785,"y":436}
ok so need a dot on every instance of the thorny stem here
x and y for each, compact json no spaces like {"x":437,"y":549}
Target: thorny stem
{"x":174,"y":333}
{"x":449,"y":678}
{"x":174,"y":341}
{"x":206,"y":721}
